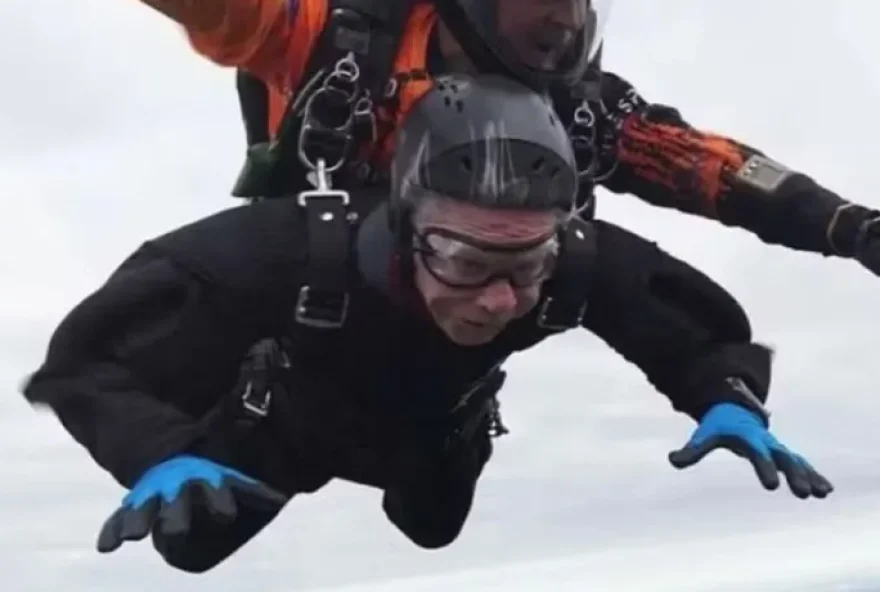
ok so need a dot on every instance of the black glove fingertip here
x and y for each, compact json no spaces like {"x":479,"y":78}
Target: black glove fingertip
{"x":175,"y":517}
{"x":218,"y":502}
{"x":273,"y":496}
{"x":766,"y":472}
{"x":109,"y":538}
{"x":136,"y":524}
{"x":685,"y":457}
{"x":258,"y":495}
{"x":821,"y":486}
{"x":798,"y":474}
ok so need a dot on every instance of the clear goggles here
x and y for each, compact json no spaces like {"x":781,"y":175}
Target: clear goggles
{"x":459,"y":261}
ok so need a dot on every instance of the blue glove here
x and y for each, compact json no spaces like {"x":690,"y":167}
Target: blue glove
{"x":166,"y":497}
{"x":735,"y":428}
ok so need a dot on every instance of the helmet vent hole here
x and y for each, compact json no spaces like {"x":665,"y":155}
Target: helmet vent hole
{"x":467,"y":164}
{"x":447,"y":101}
{"x":459,"y":105}
{"x":538,"y":165}
{"x":552,"y":119}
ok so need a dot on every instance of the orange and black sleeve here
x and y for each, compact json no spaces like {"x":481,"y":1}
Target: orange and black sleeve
{"x":663,"y":160}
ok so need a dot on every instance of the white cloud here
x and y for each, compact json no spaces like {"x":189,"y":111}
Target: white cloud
{"x":122,"y":134}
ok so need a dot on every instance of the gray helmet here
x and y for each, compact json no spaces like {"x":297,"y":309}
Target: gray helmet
{"x":487,"y":140}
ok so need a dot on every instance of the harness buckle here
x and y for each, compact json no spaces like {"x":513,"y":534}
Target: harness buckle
{"x":545,"y":314}
{"x":321,"y":310}
{"x":255,"y":404}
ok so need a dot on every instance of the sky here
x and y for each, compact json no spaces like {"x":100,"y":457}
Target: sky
{"x":112,"y":131}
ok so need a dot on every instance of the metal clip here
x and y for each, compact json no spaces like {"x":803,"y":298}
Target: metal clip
{"x":364,"y":116}
{"x":331,"y":316}
{"x":763,"y":174}
{"x":328,"y":117}
{"x":544,"y":311}
{"x":258,"y":407}
{"x":320,"y":178}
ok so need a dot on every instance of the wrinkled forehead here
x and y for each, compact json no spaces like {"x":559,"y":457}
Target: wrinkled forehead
{"x":485,"y":225}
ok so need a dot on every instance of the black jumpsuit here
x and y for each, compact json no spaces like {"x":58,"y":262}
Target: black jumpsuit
{"x":147,"y":367}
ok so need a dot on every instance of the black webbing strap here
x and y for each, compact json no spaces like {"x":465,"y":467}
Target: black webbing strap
{"x":323,"y":298}
{"x":568,"y":292}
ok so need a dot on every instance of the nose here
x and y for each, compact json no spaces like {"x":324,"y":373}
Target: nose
{"x":498,"y":298}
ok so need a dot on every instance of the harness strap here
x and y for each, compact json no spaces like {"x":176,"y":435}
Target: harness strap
{"x":565,"y":300}
{"x":323,"y":299}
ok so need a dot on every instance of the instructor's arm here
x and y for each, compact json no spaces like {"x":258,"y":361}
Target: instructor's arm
{"x":197,"y":15}
{"x":254,"y":35}
{"x":689,"y":336}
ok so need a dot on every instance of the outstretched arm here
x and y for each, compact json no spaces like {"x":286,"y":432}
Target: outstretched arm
{"x":687,"y":334}
{"x":693,"y":341}
{"x":197,"y":15}
{"x":661,"y":159}
{"x":132,"y":373}
{"x":254,"y":35}
{"x":120,"y":368}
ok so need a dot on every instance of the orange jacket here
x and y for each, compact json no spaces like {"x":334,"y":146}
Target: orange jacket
{"x":274,"y":40}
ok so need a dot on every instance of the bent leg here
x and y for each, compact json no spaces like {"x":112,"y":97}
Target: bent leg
{"x":431,"y":501}
{"x":431,"y":492}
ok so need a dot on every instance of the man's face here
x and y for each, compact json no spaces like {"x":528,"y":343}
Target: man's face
{"x":541,"y":32}
{"x":478,"y":269}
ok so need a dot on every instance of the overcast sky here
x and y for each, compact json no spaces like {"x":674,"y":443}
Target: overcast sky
{"x":111,"y":131}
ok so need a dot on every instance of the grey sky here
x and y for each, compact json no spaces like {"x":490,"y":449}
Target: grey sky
{"x":123,"y":134}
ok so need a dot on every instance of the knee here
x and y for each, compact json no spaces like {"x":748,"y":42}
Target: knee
{"x":429,"y":523}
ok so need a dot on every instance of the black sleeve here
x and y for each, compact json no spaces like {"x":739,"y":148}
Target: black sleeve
{"x":133,"y":368}
{"x":688,"y":335}
{"x":657,"y":156}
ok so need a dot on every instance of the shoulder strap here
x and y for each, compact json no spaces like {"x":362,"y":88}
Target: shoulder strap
{"x":565,"y":300}
{"x":367,"y":33}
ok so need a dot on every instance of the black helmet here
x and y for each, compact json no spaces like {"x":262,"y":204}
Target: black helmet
{"x":478,"y":27}
{"x":487,"y":140}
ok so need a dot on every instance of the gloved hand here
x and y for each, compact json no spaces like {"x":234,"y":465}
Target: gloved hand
{"x":735,"y":428}
{"x":167,"y":496}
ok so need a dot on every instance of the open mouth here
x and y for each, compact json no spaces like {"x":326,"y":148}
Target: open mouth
{"x":546,"y":52}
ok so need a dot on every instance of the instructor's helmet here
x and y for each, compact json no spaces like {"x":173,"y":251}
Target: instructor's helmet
{"x":540,"y":42}
{"x":487,"y":140}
